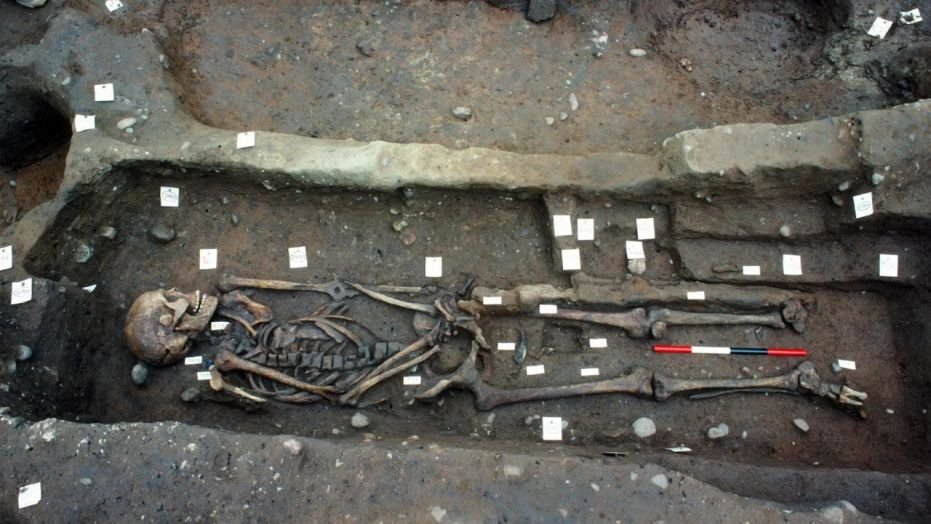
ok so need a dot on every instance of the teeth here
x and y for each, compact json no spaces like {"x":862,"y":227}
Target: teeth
{"x":197,"y":301}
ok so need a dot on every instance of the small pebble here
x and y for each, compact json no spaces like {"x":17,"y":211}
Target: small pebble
{"x":140,"y":373}
{"x":86,"y":481}
{"x":161,"y":233}
{"x":365,"y":47}
{"x":573,"y":102}
{"x":563,"y":115}
{"x":838,"y":201}
{"x":12,"y":183}
{"x":843,"y":186}
{"x":292,"y":445}
{"x":234,"y":219}
{"x":23,"y":352}
{"x":719,"y":431}
{"x":462,"y":113}
{"x":876,"y":179}
{"x":660,"y":481}
{"x":83,"y":252}
{"x":191,"y":394}
{"x":801,"y":424}
{"x":785,"y":231}
{"x":407,"y":238}
{"x":835,"y":367}
{"x":644,"y":427}
{"x":637,"y":266}
{"x":359,"y":421}
{"x":126,"y":123}
{"x":549,"y":120}
{"x":108,"y":232}
{"x":399,"y":225}
{"x":636,"y":52}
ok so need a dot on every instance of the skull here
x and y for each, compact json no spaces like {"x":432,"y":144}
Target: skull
{"x":161,"y":324}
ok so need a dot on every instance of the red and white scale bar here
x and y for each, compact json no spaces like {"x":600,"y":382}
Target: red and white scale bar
{"x":733,"y":350}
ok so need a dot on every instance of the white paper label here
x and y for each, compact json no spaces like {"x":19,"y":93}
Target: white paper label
{"x":491,"y":301}
{"x":218,"y":325}
{"x":203,"y":375}
{"x":21,"y":292}
{"x":645,"y":229}
{"x":84,"y":123}
{"x":297,"y":257}
{"x":846,"y":364}
{"x":880,"y":27}
{"x":680,"y":449}
{"x":752,"y":271}
{"x":791,"y":264}
{"x":412,"y":380}
{"x":635,"y":249}
{"x":193,"y":361}
{"x":695,"y":295}
{"x":113,"y":5}
{"x":434,"y":267}
{"x":571,"y":260}
{"x":244,"y":140}
{"x":208,"y":258}
{"x":536,"y":369}
{"x":548,"y":309}
{"x":103,"y":93}
{"x":30,"y":495}
{"x":170,"y":196}
{"x":507,"y":346}
{"x":552,"y":428}
{"x":597,"y":343}
{"x":562,"y":226}
{"x":586,"y":227}
{"x":888,"y":265}
{"x":589,"y":372}
{"x":90,"y":288}
{"x":6,"y":257}
{"x":863,"y":205}
{"x":910,"y":17}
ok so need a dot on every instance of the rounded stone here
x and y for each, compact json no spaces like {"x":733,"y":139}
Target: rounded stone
{"x":140,"y":373}
{"x":636,"y":52}
{"x":126,"y":123}
{"x":23,"y":352}
{"x":462,"y":113}
{"x":359,"y":421}
{"x":108,"y":232}
{"x":191,"y":394}
{"x":801,"y":424}
{"x":719,"y":431}
{"x":637,"y":266}
{"x":161,"y":233}
{"x":644,"y":427}
{"x":785,"y":231}
{"x":83,"y":252}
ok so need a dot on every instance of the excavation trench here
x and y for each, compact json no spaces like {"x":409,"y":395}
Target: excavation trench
{"x":81,"y":367}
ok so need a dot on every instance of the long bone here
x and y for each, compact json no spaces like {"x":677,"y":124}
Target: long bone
{"x":336,"y":289}
{"x":641,"y":383}
{"x":226,"y":361}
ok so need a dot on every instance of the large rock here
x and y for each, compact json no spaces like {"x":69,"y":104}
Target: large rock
{"x":541,"y":10}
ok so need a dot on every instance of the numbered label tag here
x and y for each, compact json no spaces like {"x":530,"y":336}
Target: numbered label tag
{"x":6,"y":257}
{"x":847,"y":364}
{"x":571,"y":260}
{"x":751,"y":271}
{"x":635,"y":249}
{"x":910,"y":17}
{"x":208,"y":258}
{"x":589,"y":372}
{"x":203,"y":375}
{"x":219,"y":325}
{"x":791,"y":264}
{"x":29,"y":495}
{"x":586,"y":227}
{"x":412,"y":380}
{"x":888,"y":265}
{"x":880,"y":27}
{"x":193,"y":361}
{"x":863,"y":205}
{"x":244,"y":140}
{"x":597,"y":343}
{"x":103,"y":93}
{"x":84,"y":123}
{"x":433,"y":267}
{"x":170,"y":196}
{"x":491,"y":301}
{"x":646,"y":229}
{"x":21,"y":292}
{"x":537,"y":369}
{"x":507,"y":346}
{"x":297,"y":257}
{"x":695,"y":295}
{"x":552,"y":428}
{"x":562,"y":226}
{"x":548,"y":309}
{"x":113,"y":5}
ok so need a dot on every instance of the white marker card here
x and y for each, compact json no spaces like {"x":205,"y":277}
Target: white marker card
{"x":552,"y":428}
{"x":910,"y":17}
{"x":84,"y":123}
{"x":562,"y":226}
{"x":646,"y":229}
{"x":507,"y":346}
{"x":30,"y":495}
{"x":635,"y":249}
{"x":6,"y":257}
{"x":491,"y":301}
{"x":847,"y":364}
{"x":791,"y":264}
{"x":548,"y":309}
{"x":203,"y":375}
{"x":586,"y":228}
{"x":888,"y":265}
{"x":113,"y":5}
{"x":695,"y":295}
{"x":21,"y":291}
{"x":589,"y":372}
{"x":751,"y":271}
{"x":597,"y":343}
{"x":208,"y":258}
{"x":880,"y":27}
{"x":571,"y":260}
{"x":244,"y":140}
{"x":297,"y":257}
{"x":169,"y":196}
{"x":433,"y":267}
{"x":90,"y":288}
{"x":536,"y":369}
{"x":193,"y":361}
{"x":103,"y":93}
{"x":412,"y":380}
{"x":219,"y":325}
{"x":680,"y":449}
{"x":863,"y":205}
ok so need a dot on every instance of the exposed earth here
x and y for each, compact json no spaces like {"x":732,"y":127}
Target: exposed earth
{"x":390,"y":132}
